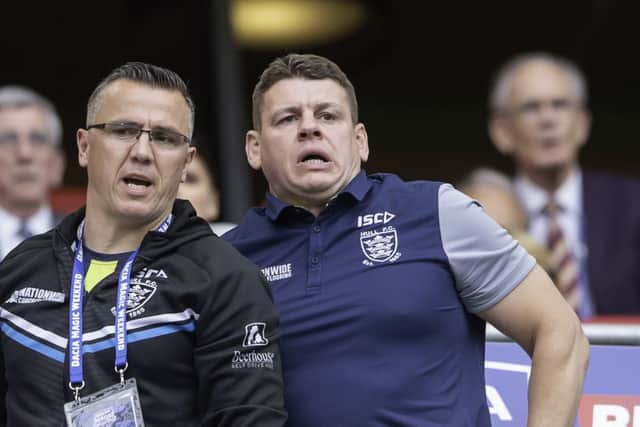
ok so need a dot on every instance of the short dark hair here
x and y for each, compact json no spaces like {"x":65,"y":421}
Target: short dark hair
{"x":141,"y":72}
{"x":306,"y":66}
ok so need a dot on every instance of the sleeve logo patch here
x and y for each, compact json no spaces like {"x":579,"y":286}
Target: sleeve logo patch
{"x":254,"y":335}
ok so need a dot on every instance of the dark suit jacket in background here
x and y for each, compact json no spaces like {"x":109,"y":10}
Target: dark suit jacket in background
{"x":612,"y":232}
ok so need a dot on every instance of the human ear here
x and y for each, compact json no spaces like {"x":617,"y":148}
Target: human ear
{"x":190,"y":155}
{"x":252,"y":149}
{"x":500,"y":135}
{"x":82,"y":142}
{"x":362,"y":141}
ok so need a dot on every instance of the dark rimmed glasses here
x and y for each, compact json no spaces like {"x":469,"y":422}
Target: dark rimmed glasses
{"x":165,"y":138}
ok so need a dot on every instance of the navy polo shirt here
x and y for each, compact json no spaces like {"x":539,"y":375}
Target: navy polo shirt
{"x":376,"y":299}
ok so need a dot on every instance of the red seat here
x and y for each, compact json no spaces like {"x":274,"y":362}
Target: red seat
{"x":67,"y":199}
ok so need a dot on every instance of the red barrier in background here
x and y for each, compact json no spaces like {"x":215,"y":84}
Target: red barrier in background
{"x":67,"y":199}
{"x":614,"y":318}
{"x":613,"y":411}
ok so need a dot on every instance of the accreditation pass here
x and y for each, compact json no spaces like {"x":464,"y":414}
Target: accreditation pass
{"x":118,"y":405}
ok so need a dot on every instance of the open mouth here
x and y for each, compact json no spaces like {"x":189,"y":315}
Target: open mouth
{"x":136,"y":182}
{"x":313,"y":159}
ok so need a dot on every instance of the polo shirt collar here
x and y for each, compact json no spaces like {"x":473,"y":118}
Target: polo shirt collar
{"x":274,"y":206}
{"x":357,"y":189}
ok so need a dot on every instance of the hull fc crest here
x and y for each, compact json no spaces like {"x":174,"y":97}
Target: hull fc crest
{"x":140,"y":292}
{"x":379,"y":245}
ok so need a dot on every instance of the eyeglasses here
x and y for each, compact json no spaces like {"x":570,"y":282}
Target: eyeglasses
{"x":164,"y":138}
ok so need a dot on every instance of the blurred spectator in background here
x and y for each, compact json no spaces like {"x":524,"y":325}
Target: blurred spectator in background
{"x":31,"y":164}
{"x":201,"y":190}
{"x":590,"y":222}
{"x":495,"y":192}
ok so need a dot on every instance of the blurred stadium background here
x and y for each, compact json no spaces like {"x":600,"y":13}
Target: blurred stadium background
{"x":421,"y":70}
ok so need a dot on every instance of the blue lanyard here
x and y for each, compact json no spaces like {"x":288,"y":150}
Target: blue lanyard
{"x":76,"y":377}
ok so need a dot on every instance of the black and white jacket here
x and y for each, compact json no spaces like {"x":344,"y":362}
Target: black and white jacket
{"x":202,"y":330}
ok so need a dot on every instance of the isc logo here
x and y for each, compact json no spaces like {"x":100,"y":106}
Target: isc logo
{"x":376,"y":218}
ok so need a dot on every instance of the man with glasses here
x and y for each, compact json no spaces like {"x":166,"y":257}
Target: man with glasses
{"x":31,"y":164}
{"x":589,"y":222}
{"x":132,"y":309}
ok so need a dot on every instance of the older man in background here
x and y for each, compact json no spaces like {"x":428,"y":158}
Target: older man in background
{"x":589,"y":221}
{"x":31,"y":164}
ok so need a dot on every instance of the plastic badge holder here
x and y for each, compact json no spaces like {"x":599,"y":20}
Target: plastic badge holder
{"x":118,"y":405}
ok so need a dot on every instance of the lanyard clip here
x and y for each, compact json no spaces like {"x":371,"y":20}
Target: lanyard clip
{"x":121,"y":371}
{"x":76,"y":389}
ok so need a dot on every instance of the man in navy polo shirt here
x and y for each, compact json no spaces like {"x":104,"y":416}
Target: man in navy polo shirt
{"x":384,"y":286}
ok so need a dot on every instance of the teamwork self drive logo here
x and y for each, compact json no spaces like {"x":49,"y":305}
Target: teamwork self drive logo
{"x":254,"y":335}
